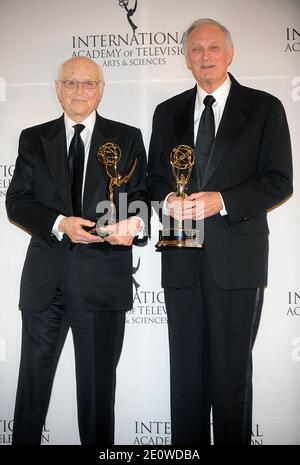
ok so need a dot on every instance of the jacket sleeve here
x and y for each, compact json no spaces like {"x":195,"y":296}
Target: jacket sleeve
{"x":138,"y":197}
{"x":273,"y":180}
{"x":21,"y":204}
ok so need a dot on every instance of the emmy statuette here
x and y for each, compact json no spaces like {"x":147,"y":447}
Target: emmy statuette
{"x":182,"y":160}
{"x":109,"y":155}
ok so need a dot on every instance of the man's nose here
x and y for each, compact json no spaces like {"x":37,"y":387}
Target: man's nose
{"x":79,"y":88}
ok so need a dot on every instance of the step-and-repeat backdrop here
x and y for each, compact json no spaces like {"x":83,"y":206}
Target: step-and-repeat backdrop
{"x":138,"y":44}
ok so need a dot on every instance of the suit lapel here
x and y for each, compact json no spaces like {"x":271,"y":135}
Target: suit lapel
{"x":95,"y":173}
{"x":184,"y":131}
{"x":233,"y":118}
{"x":184,"y":121}
{"x":55,"y":149}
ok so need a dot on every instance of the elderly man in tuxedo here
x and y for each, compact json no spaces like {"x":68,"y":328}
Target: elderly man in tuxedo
{"x":214,"y":295}
{"x":72,"y":277}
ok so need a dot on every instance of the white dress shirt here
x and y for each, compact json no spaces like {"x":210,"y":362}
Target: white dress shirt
{"x":220,"y":95}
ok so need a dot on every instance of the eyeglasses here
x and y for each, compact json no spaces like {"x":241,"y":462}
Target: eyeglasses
{"x":87,"y":85}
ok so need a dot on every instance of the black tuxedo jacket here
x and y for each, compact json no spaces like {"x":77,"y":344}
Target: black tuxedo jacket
{"x":250,"y":164}
{"x":40,"y":191}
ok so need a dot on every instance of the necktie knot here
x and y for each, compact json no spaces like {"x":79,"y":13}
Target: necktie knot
{"x":209,"y":100}
{"x":78,"y":128}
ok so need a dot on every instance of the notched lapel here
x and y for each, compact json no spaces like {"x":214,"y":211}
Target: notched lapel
{"x":233,"y":118}
{"x":55,"y":149}
{"x":184,"y":123}
{"x":184,"y":132}
{"x":95,"y":173}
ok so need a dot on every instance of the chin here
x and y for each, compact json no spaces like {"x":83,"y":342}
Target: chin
{"x":207,"y":80}
{"x":79,"y":111}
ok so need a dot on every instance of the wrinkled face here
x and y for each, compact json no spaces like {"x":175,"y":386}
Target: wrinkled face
{"x":79,"y":102}
{"x":208,"y":56}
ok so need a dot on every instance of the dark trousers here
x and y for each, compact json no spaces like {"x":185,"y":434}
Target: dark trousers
{"x":97,"y":337}
{"x":211,"y":336}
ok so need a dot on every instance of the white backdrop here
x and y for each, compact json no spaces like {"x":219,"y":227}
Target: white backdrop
{"x":141,"y":71}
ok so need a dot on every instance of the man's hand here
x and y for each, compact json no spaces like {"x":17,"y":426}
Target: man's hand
{"x":209,"y":204}
{"x":122,"y":233}
{"x":179,"y":208}
{"x":196,"y":206}
{"x":72,"y":227}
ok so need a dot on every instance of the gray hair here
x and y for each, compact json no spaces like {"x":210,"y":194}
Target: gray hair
{"x":201,"y":21}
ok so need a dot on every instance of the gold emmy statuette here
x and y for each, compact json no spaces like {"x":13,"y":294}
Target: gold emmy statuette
{"x":109,"y":155}
{"x":182,"y":160}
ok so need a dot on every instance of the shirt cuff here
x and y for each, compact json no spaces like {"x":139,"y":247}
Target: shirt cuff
{"x":165,"y":209}
{"x":223,"y":212}
{"x":142,"y":232}
{"x":58,"y":234}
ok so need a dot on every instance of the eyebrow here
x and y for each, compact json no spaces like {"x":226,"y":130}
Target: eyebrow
{"x":215,"y":42}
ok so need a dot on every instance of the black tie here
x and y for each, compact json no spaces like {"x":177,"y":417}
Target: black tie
{"x":205,"y":136}
{"x":76,"y":163}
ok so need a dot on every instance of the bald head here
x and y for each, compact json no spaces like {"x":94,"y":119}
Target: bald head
{"x":79,"y":87}
{"x":79,"y":62}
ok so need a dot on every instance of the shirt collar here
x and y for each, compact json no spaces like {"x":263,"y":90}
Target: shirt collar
{"x":220,"y":94}
{"x":88,"y":122}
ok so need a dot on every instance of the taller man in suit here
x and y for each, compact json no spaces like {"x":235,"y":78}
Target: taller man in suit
{"x":214,"y":295}
{"x":72,"y":278}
